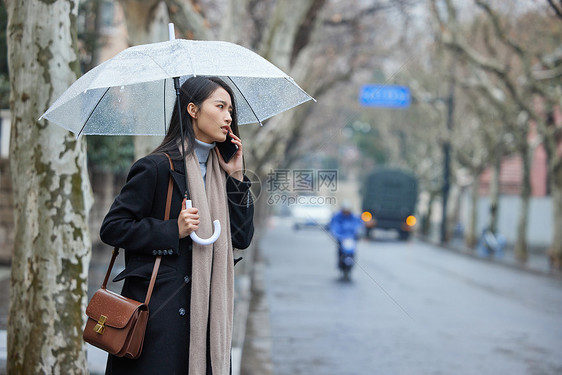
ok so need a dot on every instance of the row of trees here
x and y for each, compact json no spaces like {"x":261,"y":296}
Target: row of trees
{"x":486,"y":84}
{"x":506,"y":62}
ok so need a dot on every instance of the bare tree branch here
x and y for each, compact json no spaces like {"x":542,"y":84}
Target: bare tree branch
{"x":500,"y":31}
{"x":363,"y":13}
{"x":302,"y":37}
{"x":557,"y":8}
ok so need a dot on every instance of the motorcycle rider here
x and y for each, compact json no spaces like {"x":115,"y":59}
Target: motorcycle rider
{"x":345,"y":224}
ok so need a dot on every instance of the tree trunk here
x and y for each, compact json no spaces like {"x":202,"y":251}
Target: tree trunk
{"x":426,"y":220}
{"x":554,"y":153}
{"x":230,"y":26}
{"x":52,"y":195}
{"x":555,"y":251}
{"x":189,"y":21}
{"x":147,"y":21}
{"x":495,"y":191}
{"x":471,"y":235}
{"x":277,"y":43}
{"x":454,"y":211}
{"x":425,"y":217}
{"x":521,"y":241}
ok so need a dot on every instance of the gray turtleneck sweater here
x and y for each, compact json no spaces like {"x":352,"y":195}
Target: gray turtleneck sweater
{"x":202,"y":150}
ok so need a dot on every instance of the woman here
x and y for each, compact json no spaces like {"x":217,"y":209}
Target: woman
{"x":190,"y":325}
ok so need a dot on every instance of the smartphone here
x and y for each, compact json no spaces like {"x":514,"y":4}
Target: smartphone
{"x":227,"y":148}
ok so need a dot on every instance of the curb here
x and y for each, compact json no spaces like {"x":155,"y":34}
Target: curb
{"x":507,"y":260}
{"x":243,"y":287}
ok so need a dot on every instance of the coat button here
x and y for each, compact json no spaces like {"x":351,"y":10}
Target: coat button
{"x":159,"y":252}
{"x":170,"y":251}
{"x":165,"y":252}
{"x":181,"y":311}
{"x":154,"y":252}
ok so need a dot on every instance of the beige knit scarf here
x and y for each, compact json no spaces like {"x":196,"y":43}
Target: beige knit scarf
{"x":212,"y":285}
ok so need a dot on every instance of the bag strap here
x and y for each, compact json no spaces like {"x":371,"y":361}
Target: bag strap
{"x":158,"y":258}
{"x":115,"y":253}
{"x":166,"y":217}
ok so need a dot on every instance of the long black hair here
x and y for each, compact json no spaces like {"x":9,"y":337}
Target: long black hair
{"x":195,"y":90}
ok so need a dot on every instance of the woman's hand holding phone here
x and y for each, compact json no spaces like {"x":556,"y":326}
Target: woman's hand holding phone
{"x":234,"y":166}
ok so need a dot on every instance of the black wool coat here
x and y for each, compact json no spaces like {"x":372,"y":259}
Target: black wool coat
{"x":135,"y":223}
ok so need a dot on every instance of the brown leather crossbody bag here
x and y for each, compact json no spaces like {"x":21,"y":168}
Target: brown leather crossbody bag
{"x":116,"y":323}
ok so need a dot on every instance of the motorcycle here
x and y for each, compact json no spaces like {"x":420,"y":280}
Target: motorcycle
{"x":347,"y":255}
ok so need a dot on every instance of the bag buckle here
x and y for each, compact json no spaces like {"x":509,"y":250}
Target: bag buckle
{"x":99,"y":328}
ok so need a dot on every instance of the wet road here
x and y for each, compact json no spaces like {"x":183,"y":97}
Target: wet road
{"x":410,"y":309}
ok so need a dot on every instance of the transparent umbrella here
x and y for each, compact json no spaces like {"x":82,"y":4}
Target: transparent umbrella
{"x":133,"y":93}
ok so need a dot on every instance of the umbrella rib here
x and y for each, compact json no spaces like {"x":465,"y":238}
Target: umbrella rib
{"x":91,"y":113}
{"x":246,"y":100}
{"x":188,"y":47}
{"x":163,"y":69}
{"x":292,"y":81}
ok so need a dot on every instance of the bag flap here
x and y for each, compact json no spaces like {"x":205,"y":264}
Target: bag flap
{"x":143,"y":271}
{"x":117,"y":309}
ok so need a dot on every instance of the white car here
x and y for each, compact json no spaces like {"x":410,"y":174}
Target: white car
{"x":310,"y":215}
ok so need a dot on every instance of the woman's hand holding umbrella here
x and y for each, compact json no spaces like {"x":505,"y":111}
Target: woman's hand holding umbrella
{"x":188,"y":220}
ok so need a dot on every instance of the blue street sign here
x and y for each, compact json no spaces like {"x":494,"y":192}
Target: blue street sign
{"x":385,"y":96}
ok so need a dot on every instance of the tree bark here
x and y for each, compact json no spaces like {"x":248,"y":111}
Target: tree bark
{"x":52,"y":195}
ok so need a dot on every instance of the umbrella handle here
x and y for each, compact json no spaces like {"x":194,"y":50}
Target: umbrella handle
{"x":203,"y":241}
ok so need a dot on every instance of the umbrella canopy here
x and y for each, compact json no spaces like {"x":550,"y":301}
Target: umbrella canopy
{"x":133,"y":93}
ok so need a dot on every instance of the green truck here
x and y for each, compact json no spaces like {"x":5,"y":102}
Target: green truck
{"x":389,"y":201}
